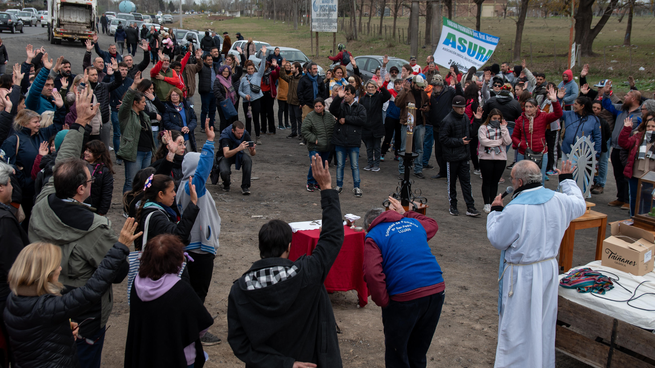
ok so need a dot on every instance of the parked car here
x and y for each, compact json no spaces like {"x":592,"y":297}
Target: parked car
{"x":10,"y":22}
{"x":114,"y":24}
{"x":28,"y":18}
{"x":31,"y":10}
{"x":368,"y":63}
{"x":146,"y":18}
{"x":168,"y":18}
{"x":110,"y":14}
{"x":137,"y":16}
{"x":242,"y":44}
{"x":290,"y":54}
{"x":157,"y":26}
{"x":184,"y":37}
{"x":12,"y":11}
{"x":125,"y":16}
{"x":43,"y":18}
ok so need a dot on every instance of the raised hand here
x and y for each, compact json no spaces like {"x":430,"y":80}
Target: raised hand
{"x":47,"y":63}
{"x":64,"y":82}
{"x":127,"y":235}
{"x":89,"y":45}
{"x":160,"y":53}
{"x":321,"y":172}
{"x":239,"y":50}
{"x":585,"y":70}
{"x":551,"y":94}
{"x":31,"y":54}
{"x":385,"y":60}
{"x":263,"y":50}
{"x":395,"y":205}
{"x":137,"y":80}
{"x":627,"y":122}
{"x":209,"y":130}
{"x":44,"y":148}
{"x":523,"y":64}
{"x":83,"y":106}
{"x":380,"y":83}
{"x":567,"y":168}
{"x":561,"y":93}
{"x":274,"y":62}
{"x":353,"y":62}
{"x":58,"y":64}
{"x":17,"y":75}
{"x":478,"y":113}
{"x":114,"y":64}
{"x":342,"y":92}
{"x":193,"y":196}
{"x":58,"y":100}
{"x":387,"y":77}
{"x":584,"y":89}
{"x":198,"y":54}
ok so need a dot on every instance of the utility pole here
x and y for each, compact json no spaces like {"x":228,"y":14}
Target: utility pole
{"x":181,"y":15}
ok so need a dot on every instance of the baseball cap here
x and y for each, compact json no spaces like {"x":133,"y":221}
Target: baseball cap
{"x":459,"y":101}
{"x":225,"y":33}
{"x":601,"y":83}
{"x":394,"y":69}
{"x":420,"y":81}
{"x":412,"y":58}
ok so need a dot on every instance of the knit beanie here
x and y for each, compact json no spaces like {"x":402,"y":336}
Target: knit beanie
{"x":60,"y":138}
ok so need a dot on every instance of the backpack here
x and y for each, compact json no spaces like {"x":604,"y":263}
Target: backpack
{"x":345,"y":57}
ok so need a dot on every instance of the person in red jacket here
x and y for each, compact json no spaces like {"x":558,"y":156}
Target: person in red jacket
{"x":344,"y":56}
{"x":530,"y":128}
{"x":641,"y":158}
{"x":404,"y":278}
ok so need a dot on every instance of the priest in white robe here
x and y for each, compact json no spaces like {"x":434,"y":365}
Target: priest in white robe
{"x":528,"y":231}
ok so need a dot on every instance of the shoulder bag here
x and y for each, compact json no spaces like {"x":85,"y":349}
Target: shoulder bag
{"x":228,"y":107}
{"x":536,"y":157}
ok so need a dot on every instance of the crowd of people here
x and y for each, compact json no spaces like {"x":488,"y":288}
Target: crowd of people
{"x":57,"y":132}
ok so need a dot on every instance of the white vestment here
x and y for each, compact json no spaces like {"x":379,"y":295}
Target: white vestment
{"x":529,"y":230}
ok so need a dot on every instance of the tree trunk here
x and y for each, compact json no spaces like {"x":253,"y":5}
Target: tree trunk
{"x":274,"y":12}
{"x":370,"y":15}
{"x":353,"y":20}
{"x":395,"y":17}
{"x":449,"y":5}
{"x":295,"y":15}
{"x":428,"y":23}
{"x":413,"y":28}
{"x":436,"y":25}
{"x":478,"y":14}
{"x":384,"y":8}
{"x":361,"y":12}
{"x":628,"y":29}
{"x":523,"y":11}
{"x":584,"y":34}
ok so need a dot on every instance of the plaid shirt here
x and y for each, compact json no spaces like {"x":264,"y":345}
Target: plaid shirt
{"x":269,"y":276}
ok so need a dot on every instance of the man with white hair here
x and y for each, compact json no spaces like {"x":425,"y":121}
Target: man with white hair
{"x":528,"y":232}
{"x":159,"y":72}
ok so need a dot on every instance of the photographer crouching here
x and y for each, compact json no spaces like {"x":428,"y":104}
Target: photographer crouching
{"x":234,"y":140}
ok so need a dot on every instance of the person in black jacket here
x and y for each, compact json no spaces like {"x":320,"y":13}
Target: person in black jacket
{"x":310,"y":87}
{"x":606,"y":132}
{"x":4,"y":57}
{"x":97,"y":155}
{"x":144,"y":32}
{"x":510,"y":108}
{"x":373,"y":130}
{"x":132,"y":38}
{"x":455,"y":135}
{"x":207,"y":43}
{"x":441,"y":104}
{"x":206,"y":88}
{"x":143,"y":65}
{"x":157,"y":214}
{"x":168,"y":158}
{"x":262,"y":317}
{"x":172,"y":119}
{"x":38,"y":315}
{"x":351,"y":119}
{"x":12,"y":237}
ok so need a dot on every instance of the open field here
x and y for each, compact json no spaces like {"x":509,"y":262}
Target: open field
{"x":545,"y":44}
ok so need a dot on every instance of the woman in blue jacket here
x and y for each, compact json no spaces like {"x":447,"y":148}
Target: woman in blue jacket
{"x":181,"y":117}
{"x":120,"y":36}
{"x":252,"y":98}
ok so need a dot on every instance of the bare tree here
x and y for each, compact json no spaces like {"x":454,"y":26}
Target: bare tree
{"x":584,"y":34}
{"x":449,"y":5}
{"x":428,"y":22}
{"x":520,"y":23}
{"x":396,"y":8}
{"x":628,"y":29}
{"x":383,"y":9}
{"x":361,"y":12}
{"x":353,"y":20}
{"x":478,"y":14}
{"x":370,"y":15}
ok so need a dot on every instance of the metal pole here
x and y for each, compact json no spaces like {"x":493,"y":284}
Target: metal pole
{"x":181,"y":15}
{"x":571,"y":31}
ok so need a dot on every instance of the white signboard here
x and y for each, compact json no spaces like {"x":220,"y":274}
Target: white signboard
{"x":324,"y":15}
{"x":463,"y":46}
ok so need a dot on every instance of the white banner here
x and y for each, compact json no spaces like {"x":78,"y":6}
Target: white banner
{"x":463,"y":46}
{"x":324,"y":15}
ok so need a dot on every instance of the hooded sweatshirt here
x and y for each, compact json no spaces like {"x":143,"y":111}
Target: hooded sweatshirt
{"x":571,"y":89}
{"x":207,"y":227}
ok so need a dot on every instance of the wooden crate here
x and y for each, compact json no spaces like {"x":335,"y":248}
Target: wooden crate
{"x":600,"y":340}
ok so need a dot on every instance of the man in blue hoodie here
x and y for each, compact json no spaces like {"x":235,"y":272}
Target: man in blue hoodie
{"x":571,"y":89}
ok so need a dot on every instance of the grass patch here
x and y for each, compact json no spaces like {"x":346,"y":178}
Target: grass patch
{"x":545,"y":44}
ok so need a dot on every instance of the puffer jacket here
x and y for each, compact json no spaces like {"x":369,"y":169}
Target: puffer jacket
{"x":454,"y":127}
{"x":172,"y":120}
{"x":348,"y":134}
{"x":205,"y":76}
{"x":374,"y":127}
{"x":206,"y":43}
{"x":101,"y":189}
{"x":292,"y":91}
{"x":510,"y":108}
{"x":318,"y":128}
{"x":441,"y":104}
{"x":39,"y":327}
{"x":537,"y":139}
{"x":631,"y":143}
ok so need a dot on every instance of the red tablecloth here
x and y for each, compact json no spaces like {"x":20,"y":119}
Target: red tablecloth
{"x":347,"y":271}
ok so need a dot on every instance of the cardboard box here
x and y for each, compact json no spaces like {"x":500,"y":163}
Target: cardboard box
{"x":629,"y":249}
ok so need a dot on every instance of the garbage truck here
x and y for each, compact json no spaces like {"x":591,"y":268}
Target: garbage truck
{"x":72,"y":20}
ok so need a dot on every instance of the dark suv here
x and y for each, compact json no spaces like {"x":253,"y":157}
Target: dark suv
{"x":10,"y":22}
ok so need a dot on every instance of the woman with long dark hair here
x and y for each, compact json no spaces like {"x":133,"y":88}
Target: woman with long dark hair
{"x":154,"y":107}
{"x":179,"y":115}
{"x":102,"y":187}
{"x":224,"y":89}
{"x":494,"y":137}
{"x":132,"y":197}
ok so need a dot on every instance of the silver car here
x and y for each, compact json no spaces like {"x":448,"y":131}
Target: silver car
{"x":28,"y":18}
{"x":291,"y":55}
{"x":114,"y":24}
{"x":242,"y":44}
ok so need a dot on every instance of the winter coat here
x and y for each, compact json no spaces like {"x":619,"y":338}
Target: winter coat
{"x":171,"y":120}
{"x":263,"y":324}
{"x":35,"y":100}
{"x":106,"y":56}
{"x":101,"y":189}
{"x":282,"y":88}
{"x":205,"y":76}
{"x":521,"y":136}
{"x":348,"y":134}
{"x":576,"y":126}
{"x":207,"y":43}
{"x":172,"y":169}
{"x":131,"y":128}
{"x":454,"y":127}
{"x":509,"y":107}
{"x":120,"y":34}
{"x":441,"y":104}
{"x":631,"y":143}
{"x":254,"y":79}
{"x":189,"y":74}
{"x":621,"y":114}
{"x":161,"y":223}
{"x":6,"y":129}
{"x":144,"y":33}
{"x":571,"y":89}
{"x":272,"y":79}
{"x":39,"y":327}
{"x":132,"y":35}
{"x":305,"y":90}
{"x":374,"y":127}
{"x":103,"y":92}
{"x":4,"y":57}
{"x":403,"y":98}
{"x":249,"y":50}
{"x":318,"y":128}
{"x":162,"y":87}
{"x":292,"y":91}
{"x":13,"y":238}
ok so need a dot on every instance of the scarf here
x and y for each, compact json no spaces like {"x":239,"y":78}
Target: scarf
{"x":314,"y":84}
{"x":493,"y":133}
{"x":227,"y":83}
{"x":227,"y":133}
{"x":644,"y":151}
{"x":172,"y":215}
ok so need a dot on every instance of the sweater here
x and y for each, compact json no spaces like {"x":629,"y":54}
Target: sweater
{"x":207,"y":227}
{"x":485,"y":142}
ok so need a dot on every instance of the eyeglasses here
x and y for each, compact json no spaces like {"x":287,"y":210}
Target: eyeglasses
{"x":92,"y":180}
{"x":498,"y":85}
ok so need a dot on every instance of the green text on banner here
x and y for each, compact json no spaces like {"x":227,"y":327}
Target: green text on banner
{"x":463,"y":46}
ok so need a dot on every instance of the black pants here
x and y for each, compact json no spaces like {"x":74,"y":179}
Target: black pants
{"x":104,"y":28}
{"x":473,"y":147}
{"x":296,"y":118}
{"x":255,"y":106}
{"x":131,"y":48}
{"x":552,"y":138}
{"x":438,"y":155}
{"x":246,"y":169}
{"x":391,"y":127}
{"x":200,"y":273}
{"x":621,"y":181}
{"x":267,"y":113}
{"x":282,"y":112}
{"x":408,"y":330}
{"x":459,"y":169}
{"x":492,"y":171}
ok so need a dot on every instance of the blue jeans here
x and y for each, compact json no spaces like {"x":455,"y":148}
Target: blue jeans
{"x":544,"y":164}
{"x":117,"y":131}
{"x":603,"y":162}
{"x":208,"y":108}
{"x":419,"y":131}
{"x":372,"y":151}
{"x":143,"y":160}
{"x":91,"y":355}
{"x":353,"y":156}
{"x":324,"y":157}
{"x":428,"y":143}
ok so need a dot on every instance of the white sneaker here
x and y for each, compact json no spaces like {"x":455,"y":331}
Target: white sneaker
{"x":487,"y":208}
{"x":476,"y":172}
